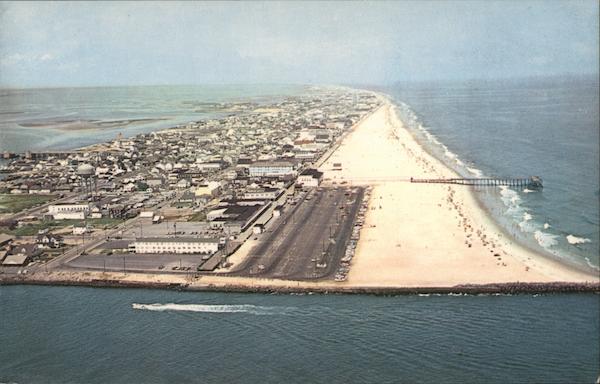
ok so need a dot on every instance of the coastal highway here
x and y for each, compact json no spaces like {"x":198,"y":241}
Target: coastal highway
{"x":309,"y":242}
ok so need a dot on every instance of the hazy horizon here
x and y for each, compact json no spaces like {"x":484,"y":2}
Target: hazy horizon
{"x":66,"y":44}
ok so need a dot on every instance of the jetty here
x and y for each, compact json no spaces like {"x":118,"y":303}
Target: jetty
{"x":534,"y":182}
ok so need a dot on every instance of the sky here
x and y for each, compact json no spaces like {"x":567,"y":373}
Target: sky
{"x":120,"y":43}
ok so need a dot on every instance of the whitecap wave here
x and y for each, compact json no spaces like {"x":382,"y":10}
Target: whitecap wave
{"x":476,"y":172}
{"x":589,"y":263}
{"x":545,"y":239}
{"x":527,"y":216}
{"x":546,"y":225}
{"x":528,"y":190}
{"x":206,"y":308}
{"x":574,"y":240}
{"x":509,"y":197}
{"x":448,"y":153}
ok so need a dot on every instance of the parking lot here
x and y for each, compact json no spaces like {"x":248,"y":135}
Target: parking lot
{"x":309,"y":239}
{"x":133,"y":262}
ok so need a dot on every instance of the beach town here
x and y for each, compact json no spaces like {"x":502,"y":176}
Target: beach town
{"x":314,"y":192}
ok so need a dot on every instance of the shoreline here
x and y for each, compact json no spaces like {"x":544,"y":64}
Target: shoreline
{"x":530,"y":244}
{"x":466,"y":289}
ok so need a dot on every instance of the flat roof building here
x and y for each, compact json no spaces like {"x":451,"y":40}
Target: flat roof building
{"x":176,"y":245}
{"x":271,"y":169}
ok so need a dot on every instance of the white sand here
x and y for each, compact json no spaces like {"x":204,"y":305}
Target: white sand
{"x":419,"y":234}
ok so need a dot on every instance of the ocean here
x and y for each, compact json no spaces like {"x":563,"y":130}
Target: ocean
{"x":90,"y":335}
{"x":547,"y":127}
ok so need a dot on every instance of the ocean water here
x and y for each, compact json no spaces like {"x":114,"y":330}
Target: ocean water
{"x":172,"y":104}
{"x":88,"y":335}
{"x":545,"y":127}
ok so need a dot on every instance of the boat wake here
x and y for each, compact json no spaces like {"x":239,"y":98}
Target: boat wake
{"x":206,"y":308}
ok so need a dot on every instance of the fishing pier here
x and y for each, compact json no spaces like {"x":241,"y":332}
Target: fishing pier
{"x":534,"y":182}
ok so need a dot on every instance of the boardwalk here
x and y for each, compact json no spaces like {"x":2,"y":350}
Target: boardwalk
{"x":530,"y":182}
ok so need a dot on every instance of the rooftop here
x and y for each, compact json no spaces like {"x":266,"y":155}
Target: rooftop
{"x":176,"y":239}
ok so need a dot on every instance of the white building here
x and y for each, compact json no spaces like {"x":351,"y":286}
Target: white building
{"x":271,"y":168}
{"x":212,"y":188}
{"x":310,"y":178}
{"x":262,"y":193}
{"x":176,"y":245}
{"x":69,"y":211}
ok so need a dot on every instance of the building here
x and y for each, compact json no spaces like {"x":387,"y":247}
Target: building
{"x":176,"y":245}
{"x":80,"y":229}
{"x":5,"y":239}
{"x":271,"y":169}
{"x":47,"y":240}
{"x":69,"y":211}
{"x":212,"y":188}
{"x":310,"y":178}
{"x":15,"y":260}
{"x":265,"y":193}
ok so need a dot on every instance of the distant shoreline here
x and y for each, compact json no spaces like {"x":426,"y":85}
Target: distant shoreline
{"x":85,"y":125}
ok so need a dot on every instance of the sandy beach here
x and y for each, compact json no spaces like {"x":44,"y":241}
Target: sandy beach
{"x":426,"y":235}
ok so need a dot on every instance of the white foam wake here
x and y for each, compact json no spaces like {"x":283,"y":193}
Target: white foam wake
{"x":206,"y":308}
{"x":577,"y":240}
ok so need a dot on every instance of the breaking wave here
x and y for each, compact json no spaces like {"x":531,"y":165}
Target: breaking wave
{"x":577,"y":240}
{"x":475,"y":172}
{"x":545,"y":239}
{"x":206,"y":308}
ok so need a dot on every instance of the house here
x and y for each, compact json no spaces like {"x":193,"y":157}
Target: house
{"x":21,"y":254}
{"x":49,"y":241}
{"x":187,"y":197}
{"x":96,"y":213}
{"x":310,"y":178}
{"x":80,"y":229}
{"x":183,"y":184}
{"x":155,"y":182}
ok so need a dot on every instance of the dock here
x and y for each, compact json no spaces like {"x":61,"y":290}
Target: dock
{"x":534,"y":182}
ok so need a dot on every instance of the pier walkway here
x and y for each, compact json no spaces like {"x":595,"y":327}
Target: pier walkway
{"x":530,"y":182}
